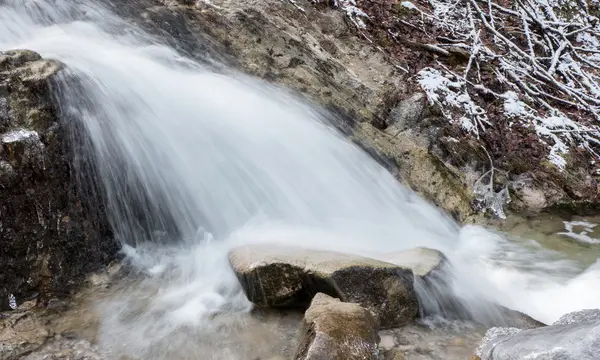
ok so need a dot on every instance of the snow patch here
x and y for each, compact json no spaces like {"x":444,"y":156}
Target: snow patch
{"x":409,"y":5}
{"x":449,"y":92}
{"x":19,"y":135}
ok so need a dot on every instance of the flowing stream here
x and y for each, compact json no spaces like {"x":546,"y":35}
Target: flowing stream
{"x":194,"y":162}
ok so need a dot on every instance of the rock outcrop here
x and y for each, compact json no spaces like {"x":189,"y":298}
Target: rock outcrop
{"x":334,"y":330}
{"x":280,"y":276}
{"x":50,"y":235}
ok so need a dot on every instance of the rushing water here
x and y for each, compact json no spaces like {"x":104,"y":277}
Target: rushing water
{"x":194,"y":162}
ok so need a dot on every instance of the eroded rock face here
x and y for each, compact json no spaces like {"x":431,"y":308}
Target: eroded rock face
{"x":49,"y":235}
{"x":279,"y":276}
{"x":334,"y":330}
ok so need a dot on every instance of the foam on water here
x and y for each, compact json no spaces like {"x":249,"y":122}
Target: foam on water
{"x":193,"y":162}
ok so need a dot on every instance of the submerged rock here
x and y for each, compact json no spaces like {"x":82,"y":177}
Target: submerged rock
{"x":51,"y":235}
{"x":280,"y":276}
{"x":334,"y":330}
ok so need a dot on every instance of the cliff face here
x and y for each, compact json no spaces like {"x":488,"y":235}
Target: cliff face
{"x":50,"y":235}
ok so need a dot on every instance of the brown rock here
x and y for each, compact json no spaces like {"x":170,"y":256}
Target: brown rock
{"x":333,"y":330}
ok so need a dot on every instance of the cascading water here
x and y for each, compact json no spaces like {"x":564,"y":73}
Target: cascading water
{"x":194,"y":162}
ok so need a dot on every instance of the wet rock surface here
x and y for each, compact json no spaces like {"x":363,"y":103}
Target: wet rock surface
{"x":280,"y":276}
{"x":335,"y":330}
{"x":50,"y":235}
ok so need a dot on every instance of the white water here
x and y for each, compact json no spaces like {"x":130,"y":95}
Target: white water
{"x":218,"y":160}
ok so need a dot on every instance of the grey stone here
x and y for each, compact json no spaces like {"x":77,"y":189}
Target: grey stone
{"x":281,"y":276}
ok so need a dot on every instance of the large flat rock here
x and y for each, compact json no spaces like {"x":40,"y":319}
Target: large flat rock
{"x":281,"y":276}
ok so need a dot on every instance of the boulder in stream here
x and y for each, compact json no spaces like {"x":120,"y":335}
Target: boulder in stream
{"x":282,"y":276}
{"x":334,"y":330}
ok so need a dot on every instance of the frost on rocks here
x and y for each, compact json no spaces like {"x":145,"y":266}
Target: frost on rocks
{"x":582,"y":235}
{"x":33,"y":150}
{"x":579,"y":317}
{"x":493,"y":336}
{"x":19,"y":136}
{"x":12,"y":302}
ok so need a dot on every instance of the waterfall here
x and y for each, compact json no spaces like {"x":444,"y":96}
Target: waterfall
{"x":193,"y":162}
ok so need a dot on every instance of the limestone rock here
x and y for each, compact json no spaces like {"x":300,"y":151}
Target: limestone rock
{"x":51,"y":234}
{"x":334,"y":330}
{"x":280,"y":276}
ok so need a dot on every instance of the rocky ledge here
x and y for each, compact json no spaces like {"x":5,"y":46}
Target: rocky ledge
{"x":50,"y":235}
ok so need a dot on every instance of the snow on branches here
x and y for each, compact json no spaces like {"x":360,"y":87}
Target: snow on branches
{"x":504,"y":66}
{"x":545,"y":57}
